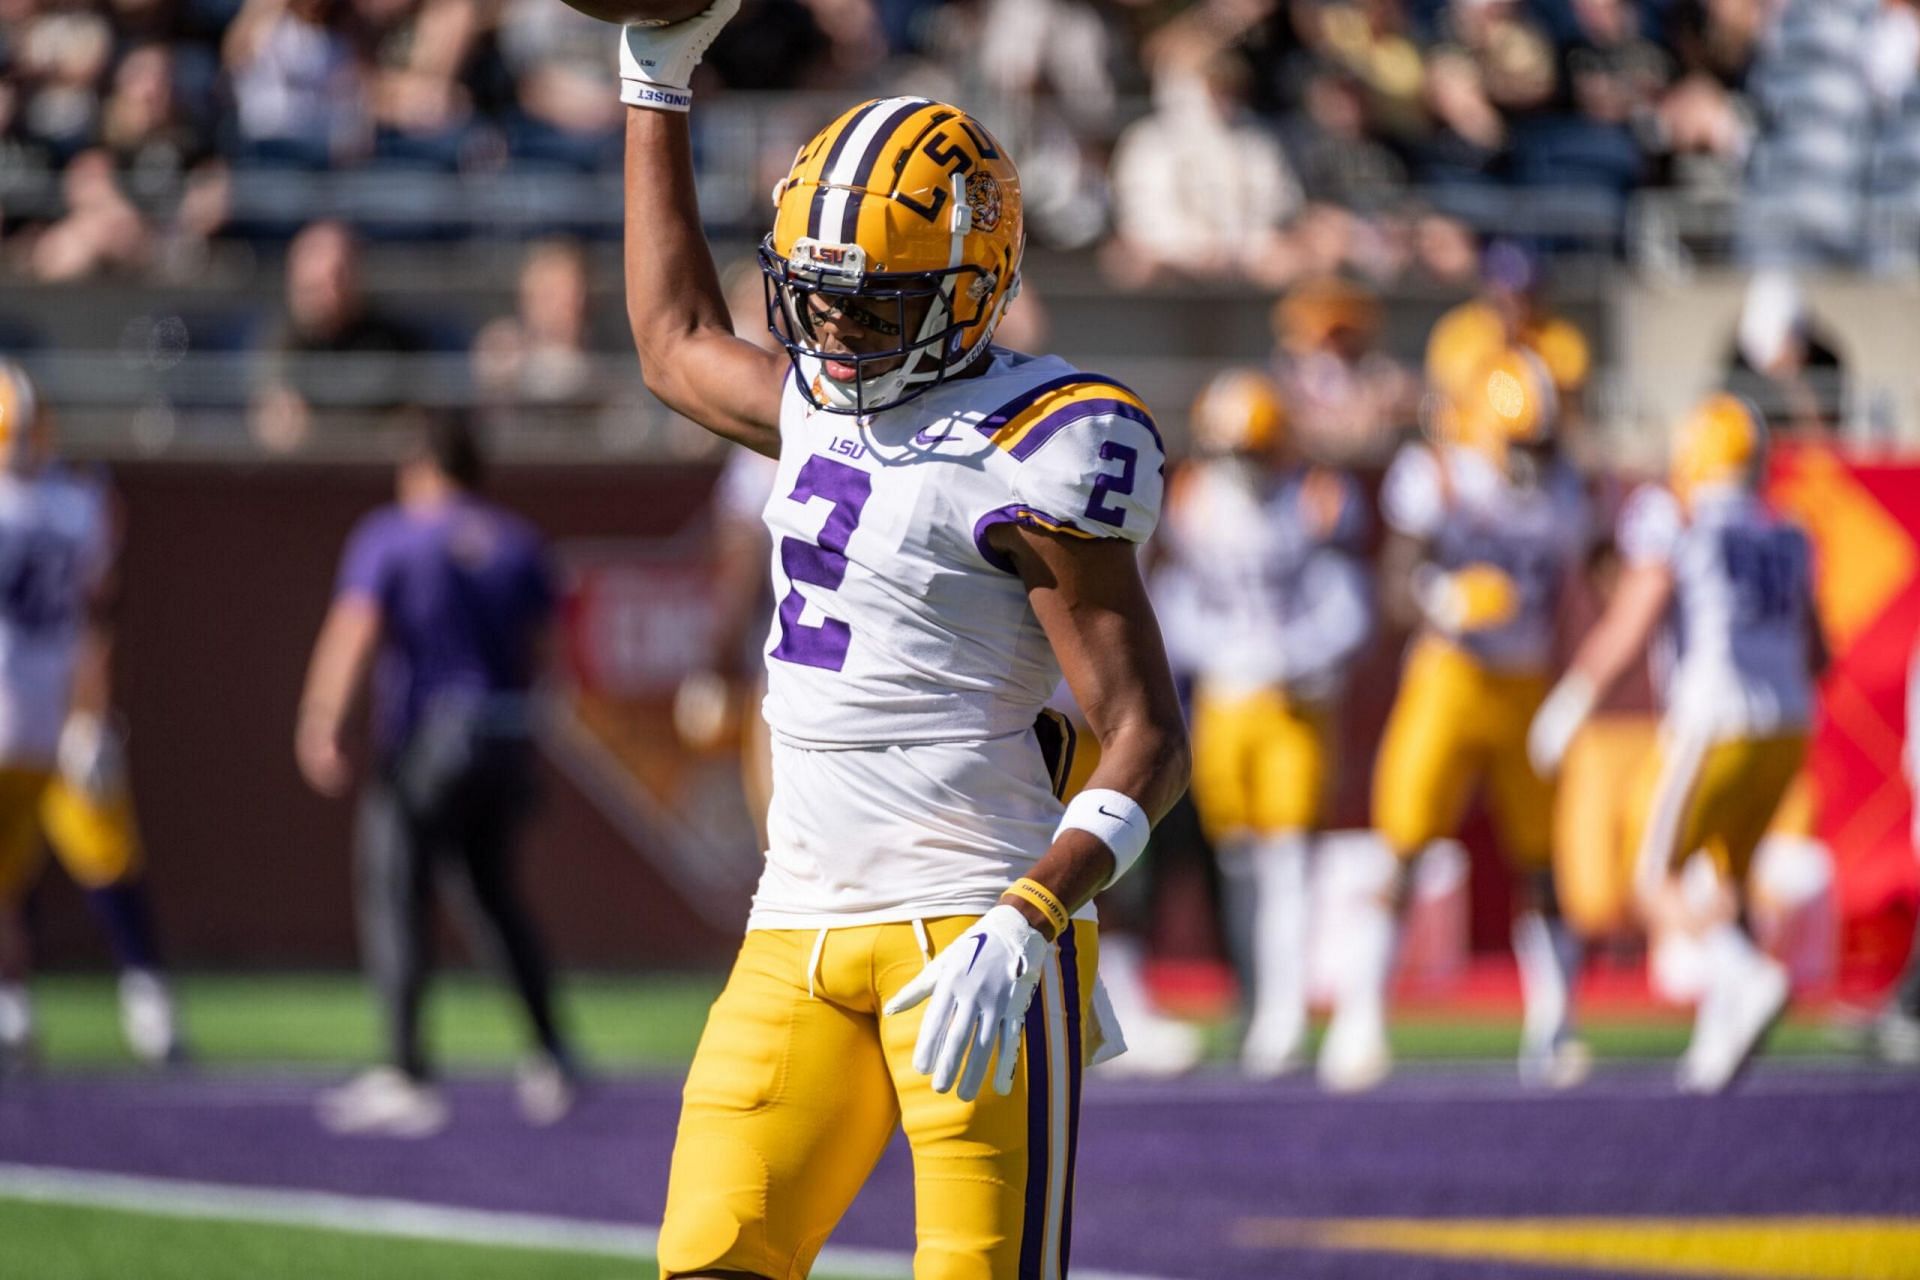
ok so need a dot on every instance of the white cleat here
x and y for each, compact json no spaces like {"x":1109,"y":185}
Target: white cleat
{"x":1558,"y":1062}
{"x":147,"y":1018}
{"x":1734,"y":1018}
{"x":1273,"y":1047}
{"x":383,"y":1102}
{"x":545,"y":1091}
{"x":1356,"y":1056}
{"x":1895,"y":1037}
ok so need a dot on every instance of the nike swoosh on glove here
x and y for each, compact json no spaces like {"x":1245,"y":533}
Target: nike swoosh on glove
{"x":977,"y":991}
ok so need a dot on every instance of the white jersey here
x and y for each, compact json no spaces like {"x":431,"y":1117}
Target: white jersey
{"x":1275,"y":595}
{"x":1743,"y":592}
{"x":1457,"y":501}
{"x":897,"y":626}
{"x":54,"y":551}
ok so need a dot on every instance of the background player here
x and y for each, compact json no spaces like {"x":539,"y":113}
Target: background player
{"x":1268,"y":545}
{"x":954,"y":527}
{"x":1486,"y":529}
{"x":1737,"y":580}
{"x":62,"y":761}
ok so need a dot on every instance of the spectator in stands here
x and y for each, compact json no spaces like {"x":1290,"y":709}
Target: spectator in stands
{"x":297,"y":85}
{"x":415,"y":52}
{"x":453,"y":597}
{"x":1200,"y":187}
{"x":566,"y":108}
{"x":161,"y":156}
{"x":327,"y":320}
{"x":1347,"y":399}
{"x":59,"y":60}
{"x":539,"y":357}
{"x":100,"y":231}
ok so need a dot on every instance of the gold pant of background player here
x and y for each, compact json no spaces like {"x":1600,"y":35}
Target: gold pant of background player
{"x":1716,"y":797}
{"x":798,"y":1084}
{"x":1259,"y":764}
{"x":1454,"y":725}
{"x":94,"y":841}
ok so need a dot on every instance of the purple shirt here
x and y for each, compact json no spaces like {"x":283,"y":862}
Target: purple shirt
{"x":464,"y":590}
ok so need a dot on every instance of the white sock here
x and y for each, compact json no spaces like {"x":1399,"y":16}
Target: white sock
{"x":1549,"y":955}
{"x":1279,"y":997}
{"x":16,"y":1015}
{"x":1730,"y":952}
{"x":1239,"y":902}
{"x":1373,"y":938}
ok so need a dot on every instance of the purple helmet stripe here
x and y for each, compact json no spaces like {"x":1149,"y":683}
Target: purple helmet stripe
{"x":869,"y":160}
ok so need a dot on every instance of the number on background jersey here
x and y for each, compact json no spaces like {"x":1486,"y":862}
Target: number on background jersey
{"x":1766,"y":571}
{"x":822,"y":563}
{"x":1122,"y":484}
{"x":36,"y":582}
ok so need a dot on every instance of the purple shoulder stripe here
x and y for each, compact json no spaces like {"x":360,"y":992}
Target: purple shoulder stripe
{"x":1013,"y":513}
{"x":1025,"y":400}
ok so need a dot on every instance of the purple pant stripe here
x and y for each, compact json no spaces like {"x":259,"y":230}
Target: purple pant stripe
{"x":1033,"y":1226}
{"x":1070,"y":983}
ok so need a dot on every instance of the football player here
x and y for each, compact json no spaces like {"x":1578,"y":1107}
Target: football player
{"x":954,"y":526}
{"x":1486,"y":528}
{"x":1268,"y":544}
{"x":1736,"y":580}
{"x":62,"y":761}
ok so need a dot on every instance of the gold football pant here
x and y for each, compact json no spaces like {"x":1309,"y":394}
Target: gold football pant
{"x":1454,"y":725}
{"x":799,"y":1081}
{"x":1718,"y":797}
{"x":94,"y":841}
{"x":1259,"y":764}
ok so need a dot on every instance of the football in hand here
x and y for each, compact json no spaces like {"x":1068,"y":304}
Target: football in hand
{"x":658,"y":12}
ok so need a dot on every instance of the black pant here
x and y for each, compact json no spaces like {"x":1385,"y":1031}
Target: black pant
{"x":455,"y":814}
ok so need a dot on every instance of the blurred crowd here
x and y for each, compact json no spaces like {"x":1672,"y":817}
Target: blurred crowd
{"x":1239,"y":139}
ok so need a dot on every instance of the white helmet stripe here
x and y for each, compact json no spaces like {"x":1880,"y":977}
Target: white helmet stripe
{"x":841,"y":208}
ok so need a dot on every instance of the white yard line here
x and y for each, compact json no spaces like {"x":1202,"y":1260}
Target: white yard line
{"x":378,"y":1216}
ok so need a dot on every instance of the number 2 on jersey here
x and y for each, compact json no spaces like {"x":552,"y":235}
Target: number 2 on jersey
{"x":820,"y":563}
{"x":1097,"y":508}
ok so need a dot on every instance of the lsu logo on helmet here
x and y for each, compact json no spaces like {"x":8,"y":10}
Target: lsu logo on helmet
{"x":903,"y":214}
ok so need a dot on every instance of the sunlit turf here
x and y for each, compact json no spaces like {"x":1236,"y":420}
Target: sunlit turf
{"x":638,"y":1024}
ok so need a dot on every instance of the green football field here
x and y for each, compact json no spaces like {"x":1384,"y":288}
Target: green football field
{"x":637,"y":1024}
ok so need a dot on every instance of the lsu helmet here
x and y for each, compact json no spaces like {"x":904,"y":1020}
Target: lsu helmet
{"x":1720,"y":443}
{"x":22,"y":420}
{"x":1239,"y":411}
{"x":903,"y":214}
{"x":1508,"y":408}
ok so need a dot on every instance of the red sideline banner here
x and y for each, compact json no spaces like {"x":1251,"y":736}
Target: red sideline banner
{"x":1864,"y":518}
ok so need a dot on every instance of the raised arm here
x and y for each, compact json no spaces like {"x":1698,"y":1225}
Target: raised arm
{"x":689,"y":355}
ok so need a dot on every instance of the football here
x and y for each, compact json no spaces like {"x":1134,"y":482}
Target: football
{"x":653,"y":11}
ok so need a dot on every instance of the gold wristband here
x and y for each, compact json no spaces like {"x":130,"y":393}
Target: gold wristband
{"x":1032,"y":891}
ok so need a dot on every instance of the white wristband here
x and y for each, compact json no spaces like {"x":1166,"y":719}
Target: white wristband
{"x":1116,"y":820}
{"x":639,"y":93}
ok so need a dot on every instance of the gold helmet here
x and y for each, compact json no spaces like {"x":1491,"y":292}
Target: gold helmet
{"x":22,"y":419}
{"x":904,"y":214}
{"x":1720,"y":443}
{"x":1510,"y":404}
{"x":1239,"y":411}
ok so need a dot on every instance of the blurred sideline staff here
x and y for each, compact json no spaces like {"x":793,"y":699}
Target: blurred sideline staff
{"x":62,"y":759}
{"x":1277,"y":607}
{"x":453,"y":596}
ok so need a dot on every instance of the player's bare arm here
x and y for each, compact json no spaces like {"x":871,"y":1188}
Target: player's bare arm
{"x":342,"y":657}
{"x":689,"y":354}
{"x":1639,"y":602}
{"x":1090,"y":600}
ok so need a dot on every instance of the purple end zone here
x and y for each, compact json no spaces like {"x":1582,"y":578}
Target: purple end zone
{"x":1167,"y":1175}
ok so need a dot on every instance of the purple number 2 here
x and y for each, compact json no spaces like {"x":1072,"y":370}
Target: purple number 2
{"x":1121,"y":484}
{"x":822,"y":563}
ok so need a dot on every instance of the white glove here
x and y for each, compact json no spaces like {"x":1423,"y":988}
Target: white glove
{"x":657,"y":59}
{"x":1557,"y":721}
{"x":980,"y":985}
{"x":91,"y":757}
{"x":1475,"y":597}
